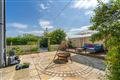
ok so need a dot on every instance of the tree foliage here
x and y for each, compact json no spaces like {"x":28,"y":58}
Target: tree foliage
{"x":57,"y":36}
{"x":22,"y":40}
{"x":107,"y":22}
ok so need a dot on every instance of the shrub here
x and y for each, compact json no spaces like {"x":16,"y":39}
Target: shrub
{"x":31,"y":43}
{"x":57,"y":36}
{"x":35,"y":49}
{"x":18,"y":50}
{"x":26,"y":64}
{"x":113,"y":62}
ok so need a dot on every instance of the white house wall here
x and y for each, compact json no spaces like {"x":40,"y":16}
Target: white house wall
{"x":79,"y":42}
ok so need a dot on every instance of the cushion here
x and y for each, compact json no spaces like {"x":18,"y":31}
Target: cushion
{"x":90,"y":46}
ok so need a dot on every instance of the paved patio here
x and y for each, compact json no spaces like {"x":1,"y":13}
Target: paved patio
{"x":82,"y":68}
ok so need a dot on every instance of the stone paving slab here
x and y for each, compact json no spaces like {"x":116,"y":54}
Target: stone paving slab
{"x":76,"y":70}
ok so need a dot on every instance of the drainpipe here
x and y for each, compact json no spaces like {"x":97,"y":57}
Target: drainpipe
{"x":2,"y":34}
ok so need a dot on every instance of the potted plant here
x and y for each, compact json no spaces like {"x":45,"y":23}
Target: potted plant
{"x":22,"y":66}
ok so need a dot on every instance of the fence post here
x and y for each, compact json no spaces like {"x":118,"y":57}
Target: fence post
{"x":49,"y":47}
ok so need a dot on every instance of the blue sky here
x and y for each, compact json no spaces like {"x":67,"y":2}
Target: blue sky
{"x":33,"y":16}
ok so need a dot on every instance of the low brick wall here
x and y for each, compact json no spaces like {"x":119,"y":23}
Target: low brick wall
{"x":54,"y":47}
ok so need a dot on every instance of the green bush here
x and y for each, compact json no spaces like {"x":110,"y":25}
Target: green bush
{"x":31,"y":43}
{"x":18,"y":50}
{"x":113,"y":62}
{"x":22,"y":40}
{"x":106,"y":23}
{"x":26,"y":64}
{"x":35,"y":49}
{"x":57,"y":36}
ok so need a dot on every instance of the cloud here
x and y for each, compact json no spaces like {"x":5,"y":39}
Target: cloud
{"x":75,"y":31}
{"x":86,"y":4}
{"x":18,"y":25}
{"x":35,"y":32}
{"x":83,"y":28}
{"x":50,"y":1}
{"x":43,"y":6}
{"x":45,"y":24}
{"x":80,"y":31}
{"x":89,"y":13}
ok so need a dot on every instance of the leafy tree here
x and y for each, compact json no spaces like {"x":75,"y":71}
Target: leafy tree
{"x":57,"y":36}
{"x":29,"y":38}
{"x":107,"y":22}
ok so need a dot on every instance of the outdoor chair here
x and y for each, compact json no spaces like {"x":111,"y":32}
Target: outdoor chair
{"x":93,"y":48}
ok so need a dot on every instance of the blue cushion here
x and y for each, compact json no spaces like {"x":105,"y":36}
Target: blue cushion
{"x":98,"y":47}
{"x":85,"y":46}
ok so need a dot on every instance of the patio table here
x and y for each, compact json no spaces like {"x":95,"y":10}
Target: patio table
{"x":80,"y":49}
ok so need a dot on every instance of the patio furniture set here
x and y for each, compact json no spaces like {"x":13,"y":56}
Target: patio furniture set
{"x":91,"y":48}
{"x":64,"y":54}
